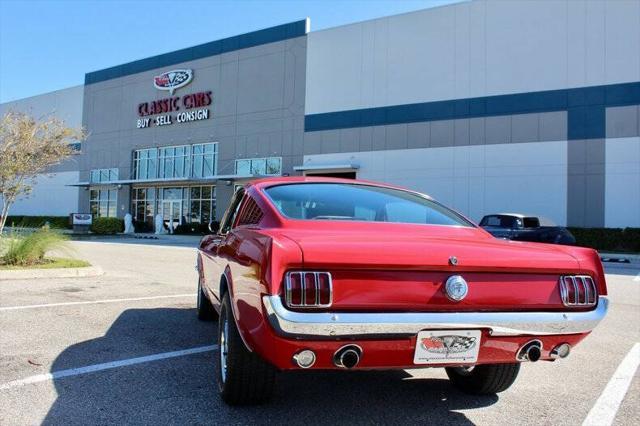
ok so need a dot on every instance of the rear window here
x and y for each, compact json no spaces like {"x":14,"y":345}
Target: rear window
{"x":337,"y":201}
{"x":501,"y":221}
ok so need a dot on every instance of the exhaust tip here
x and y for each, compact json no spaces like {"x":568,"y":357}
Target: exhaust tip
{"x":561,"y":351}
{"x":530,"y":351}
{"x":305,"y":359}
{"x":534,"y":353}
{"x":347,"y":356}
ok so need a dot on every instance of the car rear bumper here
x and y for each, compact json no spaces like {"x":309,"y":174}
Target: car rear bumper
{"x":329,"y":325}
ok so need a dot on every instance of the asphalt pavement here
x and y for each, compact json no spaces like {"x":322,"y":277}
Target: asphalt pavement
{"x":126,"y":347}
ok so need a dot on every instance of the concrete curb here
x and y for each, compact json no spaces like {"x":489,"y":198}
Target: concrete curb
{"x":25,"y":274}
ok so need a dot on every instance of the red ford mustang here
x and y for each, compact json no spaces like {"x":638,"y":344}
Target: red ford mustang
{"x":321,"y":273}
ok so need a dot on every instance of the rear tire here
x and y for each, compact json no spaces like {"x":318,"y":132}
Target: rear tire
{"x":206,"y":311}
{"x":243,"y":377}
{"x":484,"y":379}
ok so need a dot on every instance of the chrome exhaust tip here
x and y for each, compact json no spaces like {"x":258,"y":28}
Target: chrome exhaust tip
{"x":347,"y":356}
{"x":530,"y":351}
{"x":561,"y":351}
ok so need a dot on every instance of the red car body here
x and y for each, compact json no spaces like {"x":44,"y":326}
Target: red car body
{"x":388,"y":284}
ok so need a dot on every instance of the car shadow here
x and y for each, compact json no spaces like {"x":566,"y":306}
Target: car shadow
{"x":183,"y":389}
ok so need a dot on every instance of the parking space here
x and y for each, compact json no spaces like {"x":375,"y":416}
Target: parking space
{"x":127,"y":347}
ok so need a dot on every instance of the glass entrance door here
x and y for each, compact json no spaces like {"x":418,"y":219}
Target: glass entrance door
{"x":172,"y":205}
{"x":172,"y":210}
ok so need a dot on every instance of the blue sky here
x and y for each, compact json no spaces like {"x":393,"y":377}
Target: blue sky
{"x":50,"y":45}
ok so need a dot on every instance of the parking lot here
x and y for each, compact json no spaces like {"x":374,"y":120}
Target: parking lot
{"x":126,"y":347}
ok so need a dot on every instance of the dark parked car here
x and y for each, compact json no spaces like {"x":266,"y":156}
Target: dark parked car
{"x":513,"y":226}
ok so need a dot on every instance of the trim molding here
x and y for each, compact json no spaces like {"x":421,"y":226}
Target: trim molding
{"x":585,"y":108}
{"x":229,"y":44}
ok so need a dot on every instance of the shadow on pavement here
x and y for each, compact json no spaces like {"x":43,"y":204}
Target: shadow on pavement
{"x":183,"y":390}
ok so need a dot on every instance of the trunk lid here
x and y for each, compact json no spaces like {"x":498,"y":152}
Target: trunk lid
{"x":405,"y":269}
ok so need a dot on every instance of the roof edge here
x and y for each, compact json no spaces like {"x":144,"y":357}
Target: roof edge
{"x":217,"y":47}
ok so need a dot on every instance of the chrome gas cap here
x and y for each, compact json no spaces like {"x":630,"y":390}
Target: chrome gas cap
{"x":456,"y":288}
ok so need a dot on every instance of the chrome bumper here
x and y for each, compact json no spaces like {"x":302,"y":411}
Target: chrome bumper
{"x":327,"y":325}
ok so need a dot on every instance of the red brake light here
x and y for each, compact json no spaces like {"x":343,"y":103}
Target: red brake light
{"x":308,"y":289}
{"x":294,"y":290}
{"x":578,"y":290}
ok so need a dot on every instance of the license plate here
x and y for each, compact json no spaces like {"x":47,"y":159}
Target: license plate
{"x":447,"y":347}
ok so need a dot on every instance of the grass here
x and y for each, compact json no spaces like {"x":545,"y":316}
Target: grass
{"x":27,"y":250}
{"x":50,"y":263}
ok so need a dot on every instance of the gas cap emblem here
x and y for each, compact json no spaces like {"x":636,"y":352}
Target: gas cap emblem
{"x":453,"y":261}
{"x":456,"y":288}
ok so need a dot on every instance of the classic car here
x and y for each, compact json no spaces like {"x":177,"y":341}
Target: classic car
{"x":520,"y":227}
{"x":327,"y":273}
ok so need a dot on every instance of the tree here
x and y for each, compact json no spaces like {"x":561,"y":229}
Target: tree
{"x":28,"y":148}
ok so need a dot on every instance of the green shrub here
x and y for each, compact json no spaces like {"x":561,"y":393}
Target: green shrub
{"x":56,"y":222}
{"x":30,"y":249}
{"x":608,"y":239}
{"x":107,"y":225}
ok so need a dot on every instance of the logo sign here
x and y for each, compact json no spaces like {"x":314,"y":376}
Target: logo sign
{"x":172,"y":80}
{"x":81,"y":219}
{"x":448,"y":344}
{"x":456,"y":288}
{"x":447,"y":347}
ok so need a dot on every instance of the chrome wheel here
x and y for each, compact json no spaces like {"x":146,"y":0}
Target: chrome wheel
{"x":224,"y":349}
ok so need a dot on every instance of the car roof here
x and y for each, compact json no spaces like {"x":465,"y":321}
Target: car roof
{"x":520,"y":215}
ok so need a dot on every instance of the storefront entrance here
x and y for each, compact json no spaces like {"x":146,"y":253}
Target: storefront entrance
{"x":171,"y":206}
{"x":194,"y":205}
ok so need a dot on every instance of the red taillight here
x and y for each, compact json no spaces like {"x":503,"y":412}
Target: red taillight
{"x":308,"y":289}
{"x":578,"y":290}
{"x":294,"y":290}
{"x":324,"y":289}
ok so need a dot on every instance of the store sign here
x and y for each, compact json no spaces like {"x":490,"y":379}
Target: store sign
{"x":174,"y":109}
{"x":81,"y":219}
{"x":172,"y":80}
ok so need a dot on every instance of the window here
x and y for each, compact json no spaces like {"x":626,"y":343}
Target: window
{"x":103,"y":202}
{"x":270,"y":166}
{"x":143,"y":204}
{"x":76,"y":147}
{"x":203,"y":158}
{"x":337,"y":201}
{"x":232,"y":212}
{"x":251,"y":213}
{"x":174,"y":161}
{"x":103,"y":175}
{"x":501,"y":221}
{"x":145,"y":163}
{"x":202,"y":204}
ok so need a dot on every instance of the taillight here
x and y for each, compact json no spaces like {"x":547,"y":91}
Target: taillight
{"x":578,"y":291}
{"x":308,"y":289}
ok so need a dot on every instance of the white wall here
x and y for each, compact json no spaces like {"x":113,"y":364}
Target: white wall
{"x":65,"y":104}
{"x":475,"y":180}
{"x":50,"y":196}
{"x":473,"y":49}
{"x":622,"y":183}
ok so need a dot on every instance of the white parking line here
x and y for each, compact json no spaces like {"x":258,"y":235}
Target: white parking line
{"x":604,"y":411}
{"x":104,"y":366}
{"x":89,"y":302}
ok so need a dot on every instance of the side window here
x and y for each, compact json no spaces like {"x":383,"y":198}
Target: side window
{"x":232,"y":212}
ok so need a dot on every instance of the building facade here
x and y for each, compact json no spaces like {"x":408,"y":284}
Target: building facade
{"x":488,"y":106}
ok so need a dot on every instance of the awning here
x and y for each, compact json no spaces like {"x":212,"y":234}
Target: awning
{"x":312,"y":166}
{"x":226,"y":178}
